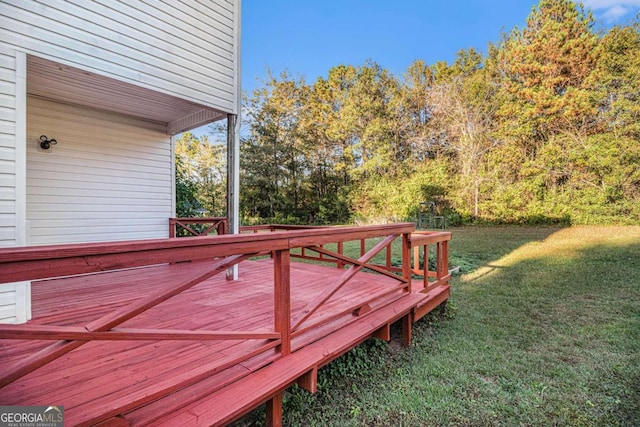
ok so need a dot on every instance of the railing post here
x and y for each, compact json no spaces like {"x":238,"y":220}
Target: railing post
{"x":406,"y":259}
{"x":172,"y":227}
{"x":388,"y":257}
{"x":425,"y":272}
{"x":282,"y":297}
{"x":340,"y":263}
{"x":443,"y":259}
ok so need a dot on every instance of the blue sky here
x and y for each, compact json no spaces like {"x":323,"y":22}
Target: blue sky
{"x":308,"y":37}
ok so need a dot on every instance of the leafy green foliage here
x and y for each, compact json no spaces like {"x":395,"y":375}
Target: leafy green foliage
{"x":546,"y":65}
{"x":543,"y":129}
{"x":200,"y":176}
{"x":187,"y":204}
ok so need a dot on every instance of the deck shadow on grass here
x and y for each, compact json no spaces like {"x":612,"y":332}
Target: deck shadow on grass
{"x":568,"y":311}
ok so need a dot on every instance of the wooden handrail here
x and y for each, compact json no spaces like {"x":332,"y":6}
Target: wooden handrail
{"x":333,"y":257}
{"x":49,"y":261}
{"x":420,"y":238}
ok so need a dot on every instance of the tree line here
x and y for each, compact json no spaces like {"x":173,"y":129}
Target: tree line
{"x":543,"y":128}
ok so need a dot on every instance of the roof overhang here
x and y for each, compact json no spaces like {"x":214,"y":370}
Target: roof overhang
{"x":70,"y":85}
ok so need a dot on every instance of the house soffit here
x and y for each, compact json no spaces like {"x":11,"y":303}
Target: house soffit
{"x":70,"y":85}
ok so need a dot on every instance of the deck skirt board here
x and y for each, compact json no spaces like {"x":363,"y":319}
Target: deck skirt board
{"x":153,"y":382}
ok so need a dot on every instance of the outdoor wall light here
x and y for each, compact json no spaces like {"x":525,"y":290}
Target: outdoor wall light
{"x":46,"y":143}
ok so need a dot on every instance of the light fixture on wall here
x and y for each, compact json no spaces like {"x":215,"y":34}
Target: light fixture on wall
{"x":46,"y":143}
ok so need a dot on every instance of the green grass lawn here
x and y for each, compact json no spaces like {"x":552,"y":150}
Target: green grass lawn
{"x":543,"y":328}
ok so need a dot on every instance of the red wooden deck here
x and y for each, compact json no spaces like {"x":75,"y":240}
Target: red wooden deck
{"x":161,"y":376}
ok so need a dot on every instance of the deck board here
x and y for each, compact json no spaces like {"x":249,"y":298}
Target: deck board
{"x":226,"y":404}
{"x":102,"y":379}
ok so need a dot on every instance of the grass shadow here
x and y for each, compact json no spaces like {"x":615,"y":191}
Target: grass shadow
{"x":554,"y":328}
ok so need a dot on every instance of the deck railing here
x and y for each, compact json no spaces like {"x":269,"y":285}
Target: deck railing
{"x":420,"y":242}
{"x":208,"y":256}
{"x":201,"y":258}
{"x":189,"y":227}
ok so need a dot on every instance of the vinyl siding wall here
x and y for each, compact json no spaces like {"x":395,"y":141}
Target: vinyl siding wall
{"x":183,"y":48}
{"x":15,"y":298}
{"x":108,"y":178}
{"x":7,"y":172}
{"x":7,"y":147}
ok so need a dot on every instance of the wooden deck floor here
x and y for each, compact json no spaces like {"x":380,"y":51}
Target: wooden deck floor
{"x":146,"y":382}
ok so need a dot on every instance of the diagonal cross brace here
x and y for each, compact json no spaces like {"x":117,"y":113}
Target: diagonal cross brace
{"x":105,"y":323}
{"x":211,"y":227}
{"x":354,"y":261}
{"x":359,"y":264}
{"x":186,"y":227}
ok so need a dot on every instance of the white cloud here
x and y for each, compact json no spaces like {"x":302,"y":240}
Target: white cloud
{"x":608,"y":4}
{"x":614,"y":13}
{"x":612,"y":10}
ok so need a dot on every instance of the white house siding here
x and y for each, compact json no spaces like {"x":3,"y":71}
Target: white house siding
{"x":108,"y":177}
{"x":187,"y":49}
{"x":15,"y":298}
{"x":7,"y":147}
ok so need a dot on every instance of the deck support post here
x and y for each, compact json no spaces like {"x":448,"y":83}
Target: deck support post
{"x":274,"y":410}
{"x":282,"y":298}
{"x":384,"y":333}
{"x":233,"y":180}
{"x":407,"y":324}
{"x":309,"y":381}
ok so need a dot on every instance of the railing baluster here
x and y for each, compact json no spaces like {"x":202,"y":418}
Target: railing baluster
{"x":388,"y":259}
{"x":425,"y":263}
{"x":442,"y":268}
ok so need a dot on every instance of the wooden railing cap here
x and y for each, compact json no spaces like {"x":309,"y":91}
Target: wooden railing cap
{"x":37,"y":262}
{"x":419,"y":238}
